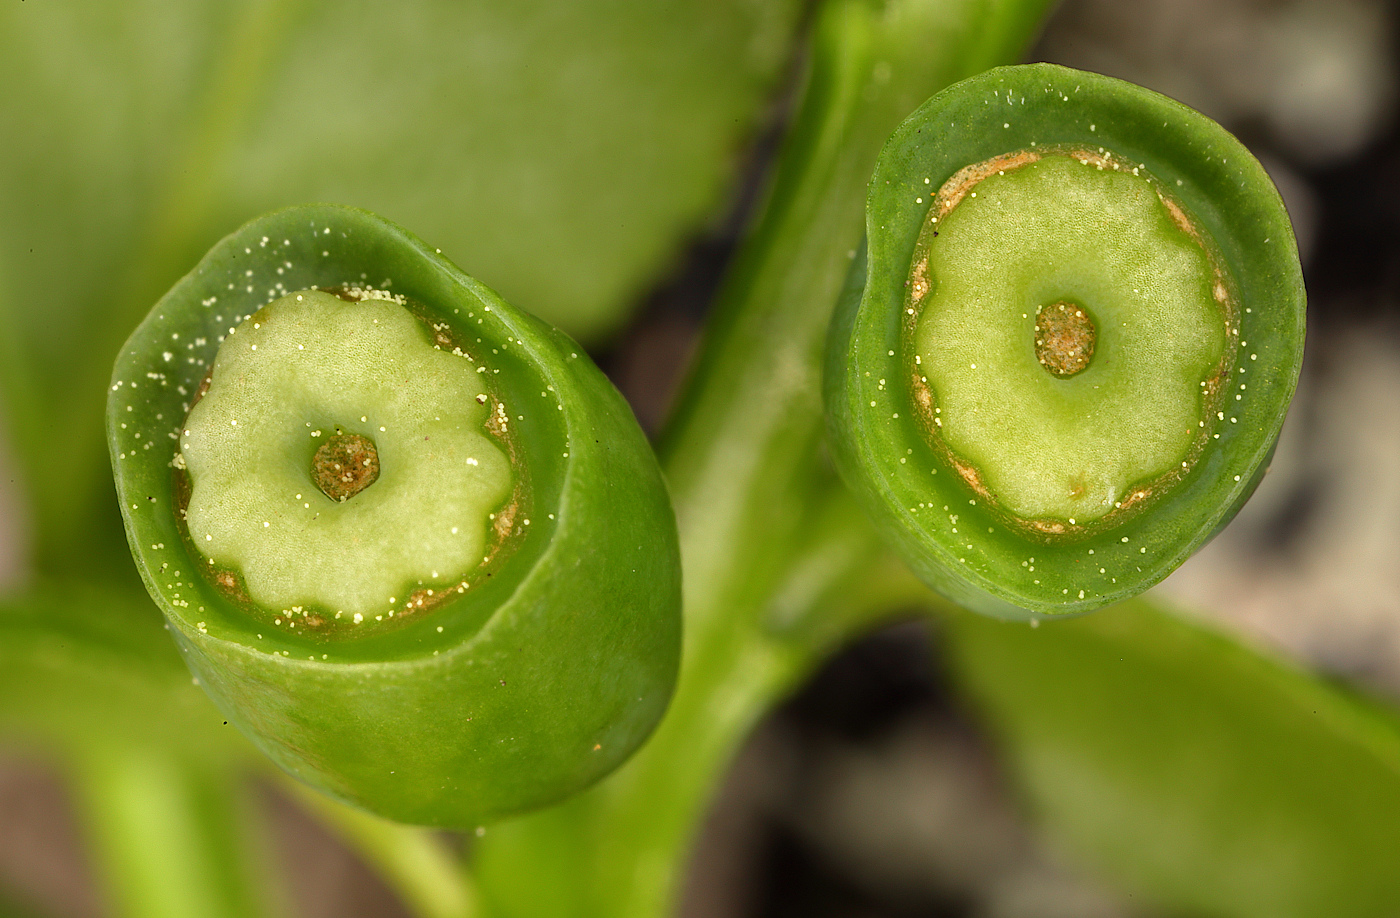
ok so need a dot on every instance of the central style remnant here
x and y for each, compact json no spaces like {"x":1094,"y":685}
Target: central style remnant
{"x":345,"y":465}
{"x":1064,"y":338}
{"x":1070,"y":331}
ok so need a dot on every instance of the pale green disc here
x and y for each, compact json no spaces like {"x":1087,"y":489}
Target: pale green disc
{"x":1059,"y":230}
{"x":283,"y":382}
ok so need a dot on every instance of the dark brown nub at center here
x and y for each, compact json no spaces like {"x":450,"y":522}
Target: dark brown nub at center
{"x":345,"y":465}
{"x":1064,"y":338}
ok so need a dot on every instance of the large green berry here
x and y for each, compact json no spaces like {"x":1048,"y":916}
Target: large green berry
{"x":409,"y":539}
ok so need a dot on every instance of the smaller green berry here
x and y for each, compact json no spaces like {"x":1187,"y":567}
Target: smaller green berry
{"x":1056,"y":377}
{"x":408,"y":538}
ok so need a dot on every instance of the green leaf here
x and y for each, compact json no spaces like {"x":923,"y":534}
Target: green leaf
{"x":561,"y":151}
{"x":89,"y":675}
{"x":1203,"y":776}
{"x":84,"y":666}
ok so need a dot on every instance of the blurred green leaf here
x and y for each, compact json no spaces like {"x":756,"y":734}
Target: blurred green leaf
{"x":88,"y":673}
{"x":558,"y":151}
{"x":84,"y":667}
{"x":1208,"y":778}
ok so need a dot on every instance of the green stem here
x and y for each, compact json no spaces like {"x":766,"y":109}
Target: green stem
{"x":429,"y":878}
{"x":743,"y":464}
{"x":618,"y":849}
{"x":170,"y":835}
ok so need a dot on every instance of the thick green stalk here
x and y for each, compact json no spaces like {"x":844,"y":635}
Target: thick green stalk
{"x":415,"y":862}
{"x":170,"y":834}
{"x":743,"y":463}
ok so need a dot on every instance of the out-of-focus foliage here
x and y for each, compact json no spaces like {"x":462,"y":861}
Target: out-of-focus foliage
{"x":1211,"y":780}
{"x":560,"y":150}
{"x":82,"y":668}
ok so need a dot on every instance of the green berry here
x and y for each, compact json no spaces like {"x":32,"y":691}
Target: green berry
{"x":1064,"y":356}
{"x":409,"y":539}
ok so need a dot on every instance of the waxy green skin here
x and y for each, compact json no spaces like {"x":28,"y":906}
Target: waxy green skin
{"x":556,"y":663}
{"x":1229,"y":196}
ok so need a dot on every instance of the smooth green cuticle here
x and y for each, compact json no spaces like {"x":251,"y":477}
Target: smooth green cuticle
{"x":1069,"y":335}
{"x":340,"y":461}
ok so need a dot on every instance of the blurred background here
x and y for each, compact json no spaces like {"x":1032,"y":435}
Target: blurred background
{"x":871,"y":794}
